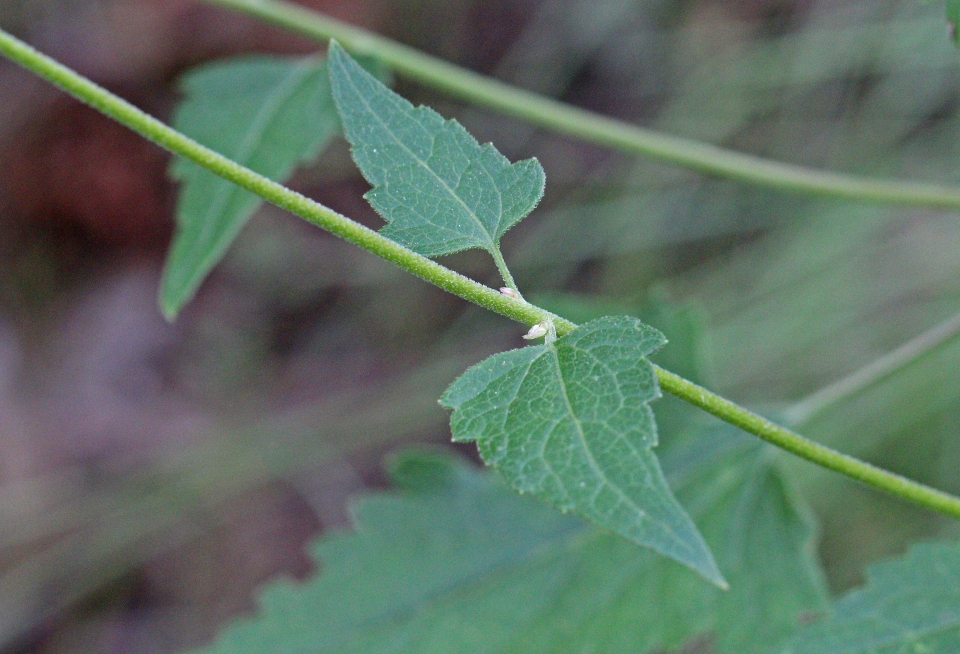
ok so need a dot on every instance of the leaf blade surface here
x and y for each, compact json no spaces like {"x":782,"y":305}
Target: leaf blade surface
{"x":570,"y":422}
{"x":438,"y":189}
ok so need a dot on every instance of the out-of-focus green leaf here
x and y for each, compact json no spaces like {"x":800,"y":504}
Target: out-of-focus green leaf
{"x":439,"y":190}
{"x":579,"y":308}
{"x":909,"y":605}
{"x":761,"y":532}
{"x":570,"y":421}
{"x":443,"y":565}
{"x":456,"y":562}
{"x":953,"y":18}
{"x":267,"y":113}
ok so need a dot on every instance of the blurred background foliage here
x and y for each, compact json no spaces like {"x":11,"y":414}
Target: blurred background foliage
{"x":153,"y":475}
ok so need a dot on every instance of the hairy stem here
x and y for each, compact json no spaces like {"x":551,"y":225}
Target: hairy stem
{"x":590,"y":126}
{"x":791,"y":441}
{"x":519,"y":310}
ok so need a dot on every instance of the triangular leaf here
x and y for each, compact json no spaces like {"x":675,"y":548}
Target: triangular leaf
{"x":570,"y":422}
{"x":439,"y":190}
{"x":459,"y":563}
{"x":910,"y":604}
{"x":267,"y":113}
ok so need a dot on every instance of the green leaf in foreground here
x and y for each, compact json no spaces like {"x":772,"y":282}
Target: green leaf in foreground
{"x":439,"y":190}
{"x":455,"y":562}
{"x":267,"y":113}
{"x":909,"y":605}
{"x":570,"y":422}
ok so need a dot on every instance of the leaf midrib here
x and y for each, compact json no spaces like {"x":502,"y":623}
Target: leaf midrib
{"x":552,"y":348}
{"x":593,"y":462}
{"x":248,"y":146}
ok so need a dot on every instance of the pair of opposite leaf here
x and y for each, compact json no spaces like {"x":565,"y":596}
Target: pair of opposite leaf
{"x":568,"y":420}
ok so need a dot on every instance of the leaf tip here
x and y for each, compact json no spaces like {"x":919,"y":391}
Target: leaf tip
{"x":701,"y":561}
{"x":169,"y":313}
{"x":178,"y":285}
{"x":169,"y":305}
{"x":693,"y":553}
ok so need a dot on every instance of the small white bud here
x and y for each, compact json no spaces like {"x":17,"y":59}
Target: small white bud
{"x":538,"y":330}
{"x":509,"y":292}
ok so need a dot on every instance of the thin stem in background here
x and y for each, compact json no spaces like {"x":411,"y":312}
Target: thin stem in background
{"x":519,"y":310}
{"x":590,"y":126}
{"x":874,"y":372}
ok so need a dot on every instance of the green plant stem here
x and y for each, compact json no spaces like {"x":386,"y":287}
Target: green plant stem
{"x":793,"y":442}
{"x":589,"y":126}
{"x":519,"y":310}
{"x":875,"y":372}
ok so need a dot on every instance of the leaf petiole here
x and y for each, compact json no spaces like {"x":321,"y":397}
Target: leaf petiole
{"x":505,"y":271}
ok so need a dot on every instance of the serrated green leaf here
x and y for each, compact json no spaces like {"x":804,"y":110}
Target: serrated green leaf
{"x":909,"y":605}
{"x":570,"y":422}
{"x":616,"y":601}
{"x":267,"y":113}
{"x":438,"y":189}
{"x":456,"y":562}
{"x":400,"y":581}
